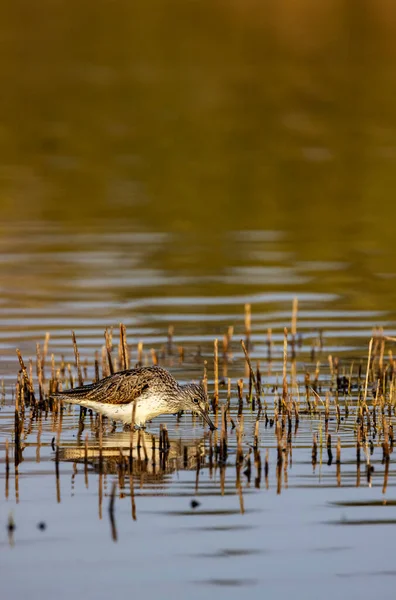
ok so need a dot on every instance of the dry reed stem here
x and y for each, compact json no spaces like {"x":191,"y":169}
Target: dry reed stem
{"x":39,"y":371}
{"x":154,"y":357}
{"x":284,"y":388}
{"x":180,"y":351}
{"x":140,"y":353}
{"x":77,"y":360}
{"x":108,"y":334}
{"x":216,"y":374}
{"x":252,"y":374}
{"x":386,"y":473}
{"x":248,"y":323}
{"x":144,"y":445}
{"x":228,"y":392}
{"x":256,"y":434}
{"x":28,"y":381}
{"x":105,"y":366}
{"x":125,"y":348}
{"x":368,"y":370}
{"x":205,"y":377}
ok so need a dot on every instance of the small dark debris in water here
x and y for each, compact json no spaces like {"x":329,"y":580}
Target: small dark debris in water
{"x":195,"y":504}
{"x":11,"y":525}
{"x":53,"y":444}
{"x":42,"y":526}
{"x":10,"y":529}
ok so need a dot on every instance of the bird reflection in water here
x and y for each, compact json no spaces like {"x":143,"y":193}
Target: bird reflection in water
{"x":149,"y":459}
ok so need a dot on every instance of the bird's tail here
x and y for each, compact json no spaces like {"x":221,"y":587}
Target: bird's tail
{"x":73,"y":395}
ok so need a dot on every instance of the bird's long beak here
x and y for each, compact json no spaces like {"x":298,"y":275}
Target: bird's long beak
{"x":206,"y":418}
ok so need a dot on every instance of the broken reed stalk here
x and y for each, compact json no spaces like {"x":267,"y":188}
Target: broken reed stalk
{"x":143,"y":439}
{"x":109,"y":348}
{"x":256,"y":434}
{"x":252,"y":374}
{"x":257,"y":463}
{"x":216,"y":376}
{"x":154,"y":357}
{"x":77,"y":360}
{"x":140,"y":354}
{"x":284,"y":387}
{"x":240,"y":396}
{"x":329,"y":451}
{"x":111,"y":512}
{"x":228,"y":393}
{"x":205,"y":377}
{"x":124,"y":348}
{"x":386,"y":473}
{"x":105,"y":365}
{"x":367,"y":371}
{"x":180,"y":351}
{"x":39,"y":371}
{"x":239,"y":453}
{"x":223,"y":435}
{"x":45,"y":352}
{"x":27,"y":380}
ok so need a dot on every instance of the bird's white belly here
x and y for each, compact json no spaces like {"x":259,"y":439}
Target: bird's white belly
{"x":123,"y":412}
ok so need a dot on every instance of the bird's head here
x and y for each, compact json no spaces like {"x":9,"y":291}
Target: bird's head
{"x":196,"y":400}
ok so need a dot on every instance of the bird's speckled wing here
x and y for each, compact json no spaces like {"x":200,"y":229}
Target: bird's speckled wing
{"x":121,"y":388}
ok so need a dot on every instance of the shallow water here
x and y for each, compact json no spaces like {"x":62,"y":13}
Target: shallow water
{"x":302,"y":529}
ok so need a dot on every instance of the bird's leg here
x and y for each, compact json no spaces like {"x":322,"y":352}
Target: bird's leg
{"x":136,"y":427}
{"x":139,"y":427}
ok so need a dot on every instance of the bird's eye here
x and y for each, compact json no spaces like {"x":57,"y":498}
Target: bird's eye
{"x":196,"y":400}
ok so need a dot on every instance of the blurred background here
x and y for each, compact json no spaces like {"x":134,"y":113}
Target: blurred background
{"x":201,"y":153}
